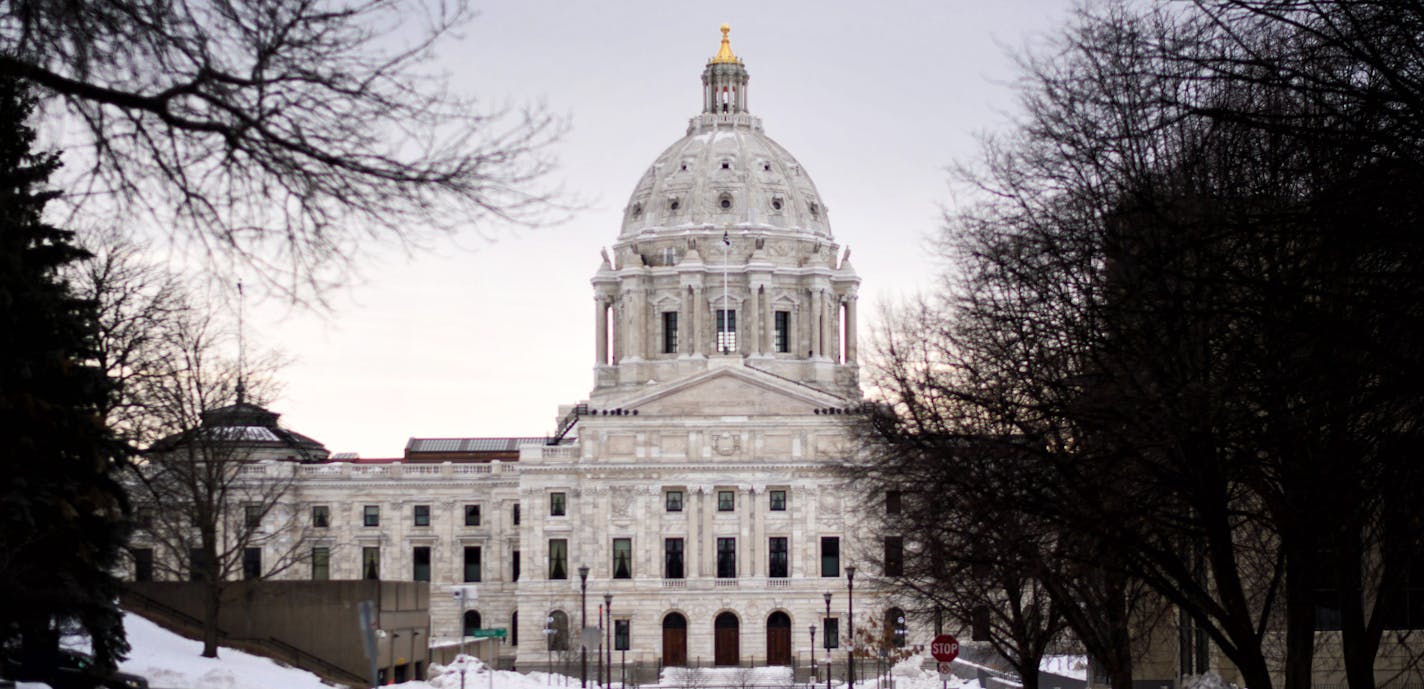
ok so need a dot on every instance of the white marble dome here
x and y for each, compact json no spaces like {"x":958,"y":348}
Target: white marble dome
{"x":726,"y":173}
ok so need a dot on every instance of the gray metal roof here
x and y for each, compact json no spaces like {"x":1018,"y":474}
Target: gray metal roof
{"x":469,"y":444}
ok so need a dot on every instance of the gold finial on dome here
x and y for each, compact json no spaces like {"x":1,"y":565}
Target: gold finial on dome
{"x":724,"y":54}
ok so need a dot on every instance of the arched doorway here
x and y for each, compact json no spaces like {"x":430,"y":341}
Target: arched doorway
{"x":778,"y":639}
{"x":895,"y":623}
{"x":674,"y":640}
{"x":727,"y":629}
{"x":472,"y":622}
{"x":559,"y":625}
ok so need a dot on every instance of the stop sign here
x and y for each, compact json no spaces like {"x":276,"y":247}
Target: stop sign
{"x":944,"y":648}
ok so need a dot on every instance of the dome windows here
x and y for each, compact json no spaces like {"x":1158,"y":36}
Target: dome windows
{"x":725,"y":201}
{"x":674,"y":203}
{"x":726,"y":165}
{"x":765,"y":166}
{"x":777,"y":202}
{"x":815,"y":209}
{"x":637,"y":211}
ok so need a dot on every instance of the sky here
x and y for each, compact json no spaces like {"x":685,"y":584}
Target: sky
{"x":488,"y":332}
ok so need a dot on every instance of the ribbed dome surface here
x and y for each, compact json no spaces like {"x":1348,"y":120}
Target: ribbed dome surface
{"x":725,"y":173}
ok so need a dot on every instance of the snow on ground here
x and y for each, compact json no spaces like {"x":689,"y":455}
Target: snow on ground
{"x":1075,"y":666}
{"x":170,"y":661}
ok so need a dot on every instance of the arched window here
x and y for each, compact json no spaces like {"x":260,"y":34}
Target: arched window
{"x":895,"y":626}
{"x":558,"y":625}
{"x":514,"y":628}
{"x":472,"y":622}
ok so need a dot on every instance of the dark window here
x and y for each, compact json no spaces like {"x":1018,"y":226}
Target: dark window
{"x":558,"y":558}
{"x":895,"y":622}
{"x":252,"y":516}
{"x":514,"y":567}
{"x":143,"y":564}
{"x":778,"y":501}
{"x":514,"y":628}
{"x":622,"y":558}
{"x":471,"y":622}
{"x":370,"y":563}
{"x":557,"y":506}
{"x":515,"y":513}
{"x":979,"y":624}
{"x":321,"y":516}
{"x":558,"y":622}
{"x":726,"y":501}
{"x":422,"y":515}
{"x":197,"y":564}
{"x":420,"y":558}
{"x":144,"y":517}
{"x":892,"y":502}
{"x":833,"y":632}
{"x":621,"y":635}
{"x":778,"y":561}
{"x":472,"y":563}
{"x":674,"y":500}
{"x":830,"y":556}
{"x":472,"y":515}
{"x":321,"y":563}
{"x":669,"y":332}
{"x":726,"y":331}
{"x":371,"y":515}
{"x":1407,"y":611}
{"x":672,"y":558}
{"x":894,"y":556}
{"x":783,"y":331}
{"x":726,"y":558}
{"x":1326,"y":590}
{"x":251,"y":563}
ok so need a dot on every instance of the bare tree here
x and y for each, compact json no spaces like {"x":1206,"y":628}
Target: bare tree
{"x":283,"y":134}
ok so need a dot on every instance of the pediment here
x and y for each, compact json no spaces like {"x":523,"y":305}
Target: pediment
{"x":733,"y":392}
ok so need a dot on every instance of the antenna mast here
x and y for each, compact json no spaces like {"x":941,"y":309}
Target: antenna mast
{"x":241,"y":345}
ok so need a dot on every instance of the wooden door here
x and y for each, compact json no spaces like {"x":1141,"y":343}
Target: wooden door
{"x":727,"y":630}
{"x":778,"y":639}
{"x":674,"y":640}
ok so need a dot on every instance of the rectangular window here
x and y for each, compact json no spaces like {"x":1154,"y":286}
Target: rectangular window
{"x":621,"y":635}
{"x":894,"y":556}
{"x":557,"y":506}
{"x":558,"y":558}
{"x":143,"y":564}
{"x":143,"y":517}
{"x":197,"y":564}
{"x":669,"y":332}
{"x":472,"y":515}
{"x":321,"y":564}
{"x":251,"y":563}
{"x":514,"y":567}
{"x":515,"y":513}
{"x":778,"y":562}
{"x":778,"y":501}
{"x":892,"y":502}
{"x":420,"y":559}
{"x":830,"y":556}
{"x":674,"y":500}
{"x":472,"y":563}
{"x":422,"y":515}
{"x":371,"y":515}
{"x":622,"y":558}
{"x":833,"y":632}
{"x":1407,"y":610}
{"x":726,"y":331}
{"x":783,"y":331}
{"x":726,"y":558}
{"x":672,"y":558}
{"x":321,"y":516}
{"x":370,"y":563}
{"x":726,"y":501}
{"x":252,"y":516}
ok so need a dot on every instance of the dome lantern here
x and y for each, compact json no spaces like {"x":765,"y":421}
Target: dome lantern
{"x":724,"y":81}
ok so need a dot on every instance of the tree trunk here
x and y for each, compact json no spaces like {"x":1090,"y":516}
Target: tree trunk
{"x":212,"y":605}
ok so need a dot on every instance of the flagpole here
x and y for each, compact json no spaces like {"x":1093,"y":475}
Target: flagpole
{"x":726,"y":303}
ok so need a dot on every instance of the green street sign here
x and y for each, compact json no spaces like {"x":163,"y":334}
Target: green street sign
{"x":492,"y":633}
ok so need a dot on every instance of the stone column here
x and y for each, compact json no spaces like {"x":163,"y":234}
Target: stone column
{"x":850,"y":328}
{"x":699,"y":314}
{"x":600,"y":329}
{"x":616,"y":318}
{"x":818,"y":334}
{"x":753,"y":320}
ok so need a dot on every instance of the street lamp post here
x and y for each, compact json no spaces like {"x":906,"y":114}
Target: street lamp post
{"x":828,"y":640}
{"x":583,"y":624}
{"x":608,"y":640}
{"x":850,"y":593}
{"x":813,"y":655}
{"x":549,"y":644}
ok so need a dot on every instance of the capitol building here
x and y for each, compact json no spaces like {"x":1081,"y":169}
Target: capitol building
{"x":698,"y":491}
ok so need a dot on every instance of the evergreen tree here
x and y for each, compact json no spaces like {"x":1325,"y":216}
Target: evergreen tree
{"x":62,"y":526}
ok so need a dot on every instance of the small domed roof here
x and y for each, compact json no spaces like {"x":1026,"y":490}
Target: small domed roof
{"x":726,"y":172}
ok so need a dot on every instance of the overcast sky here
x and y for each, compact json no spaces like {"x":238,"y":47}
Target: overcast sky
{"x":487,"y":338}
